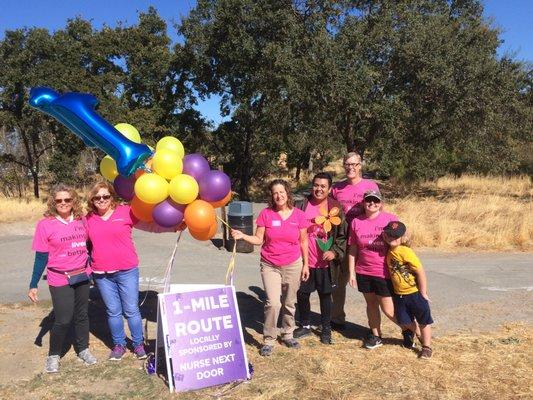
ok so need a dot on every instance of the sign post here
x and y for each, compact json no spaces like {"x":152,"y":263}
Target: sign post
{"x":199,"y":330}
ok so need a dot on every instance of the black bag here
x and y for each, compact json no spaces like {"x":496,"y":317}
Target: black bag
{"x":77,"y":276}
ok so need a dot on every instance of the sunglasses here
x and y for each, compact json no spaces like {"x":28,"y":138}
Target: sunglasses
{"x":68,"y":200}
{"x":104,"y":197}
{"x":374,"y":200}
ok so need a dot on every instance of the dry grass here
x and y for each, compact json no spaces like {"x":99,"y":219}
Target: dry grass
{"x":471,"y":212}
{"x":15,"y":210}
{"x":492,"y":214}
{"x":465,"y":366}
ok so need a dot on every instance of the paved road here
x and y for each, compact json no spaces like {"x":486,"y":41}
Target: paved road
{"x":468,"y":290}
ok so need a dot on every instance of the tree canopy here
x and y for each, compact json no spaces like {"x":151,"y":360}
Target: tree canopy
{"x":417,"y":87}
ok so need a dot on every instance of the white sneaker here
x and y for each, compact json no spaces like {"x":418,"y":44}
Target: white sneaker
{"x":51,"y":364}
{"x":87,"y":357}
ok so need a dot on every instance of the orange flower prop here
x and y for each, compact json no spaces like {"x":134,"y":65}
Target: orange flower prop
{"x":327,"y":220}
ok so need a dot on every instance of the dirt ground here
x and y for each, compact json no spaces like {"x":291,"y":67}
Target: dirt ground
{"x":483,"y":323}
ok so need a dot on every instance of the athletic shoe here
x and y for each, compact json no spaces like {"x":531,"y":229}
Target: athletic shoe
{"x":87,"y":357}
{"x":139,"y":352}
{"x":51,"y":364}
{"x":325,"y":336}
{"x":426,"y":352}
{"x":336,"y":326}
{"x":408,"y":339}
{"x":291,"y":343}
{"x":117,"y":352}
{"x":372,"y":341}
{"x":266,"y":350}
{"x":301,"y":332}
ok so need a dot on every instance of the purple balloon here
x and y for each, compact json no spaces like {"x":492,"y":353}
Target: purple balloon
{"x":124,"y":186}
{"x":214,"y":186}
{"x":195,"y":165}
{"x":168,"y":214}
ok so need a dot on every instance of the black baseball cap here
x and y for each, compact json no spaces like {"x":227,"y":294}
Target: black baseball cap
{"x":395,"y":229}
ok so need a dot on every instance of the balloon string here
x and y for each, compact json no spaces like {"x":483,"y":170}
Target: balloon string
{"x":170,"y":264}
{"x":166,"y":280}
{"x":230,"y":273}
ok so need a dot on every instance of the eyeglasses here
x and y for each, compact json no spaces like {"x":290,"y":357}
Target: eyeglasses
{"x":68,"y":200}
{"x":104,"y":197}
{"x":351,"y":165}
{"x":374,"y":200}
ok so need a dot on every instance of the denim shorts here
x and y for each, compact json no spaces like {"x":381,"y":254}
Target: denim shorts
{"x":409,"y":307}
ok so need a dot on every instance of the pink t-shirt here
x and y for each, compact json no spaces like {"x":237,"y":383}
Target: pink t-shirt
{"x":281,"y":244}
{"x":113,"y":248}
{"x":351,"y":196}
{"x":372,"y":249}
{"x":65,"y":243}
{"x":315,"y":232}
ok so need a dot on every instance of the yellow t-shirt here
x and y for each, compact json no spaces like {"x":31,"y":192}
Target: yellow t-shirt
{"x":403,"y":264}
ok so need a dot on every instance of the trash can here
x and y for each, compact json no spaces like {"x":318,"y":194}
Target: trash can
{"x":240,"y":217}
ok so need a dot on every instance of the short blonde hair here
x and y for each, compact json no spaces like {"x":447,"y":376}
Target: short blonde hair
{"x":350,"y":155}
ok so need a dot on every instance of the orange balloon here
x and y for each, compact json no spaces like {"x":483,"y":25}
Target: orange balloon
{"x":199,"y":215}
{"x":205,"y":234}
{"x":141,"y":171}
{"x":223,"y":202}
{"x":142,"y":210}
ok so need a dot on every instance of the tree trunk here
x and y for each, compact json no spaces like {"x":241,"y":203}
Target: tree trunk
{"x":297,"y":174}
{"x":35,"y":177}
{"x":245,"y":168}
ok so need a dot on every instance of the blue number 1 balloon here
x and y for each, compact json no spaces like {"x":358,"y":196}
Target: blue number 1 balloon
{"x":76,"y":112}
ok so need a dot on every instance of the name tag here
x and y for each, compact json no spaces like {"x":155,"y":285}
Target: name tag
{"x":276,"y":223}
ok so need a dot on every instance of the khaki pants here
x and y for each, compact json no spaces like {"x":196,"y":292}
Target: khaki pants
{"x":339,"y":294}
{"x":281,"y":285}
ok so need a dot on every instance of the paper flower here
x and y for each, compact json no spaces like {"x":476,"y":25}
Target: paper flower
{"x":327,"y":220}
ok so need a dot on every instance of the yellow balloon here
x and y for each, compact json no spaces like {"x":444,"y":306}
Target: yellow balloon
{"x":129,"y":131}
{"x":151,"y":188}
{"x":108,"y":168}
{"x":172,"y":144}
{"x":183,"y":189}
{"x":167,"y":164}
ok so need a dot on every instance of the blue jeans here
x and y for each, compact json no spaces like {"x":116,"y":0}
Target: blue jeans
{"x":120,"y":292}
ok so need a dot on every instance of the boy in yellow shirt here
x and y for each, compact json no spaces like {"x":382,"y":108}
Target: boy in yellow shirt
{"x":411,"y":301}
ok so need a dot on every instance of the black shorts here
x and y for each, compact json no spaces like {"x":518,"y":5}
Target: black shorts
{"x":319,"y":279}
{"x":373,"y":284}
{"x":409,"y":307}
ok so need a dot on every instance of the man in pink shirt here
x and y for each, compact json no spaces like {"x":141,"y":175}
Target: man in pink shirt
{"x":349,"y":193}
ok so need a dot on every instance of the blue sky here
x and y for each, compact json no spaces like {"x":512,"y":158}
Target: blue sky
{"x":512,"y":17}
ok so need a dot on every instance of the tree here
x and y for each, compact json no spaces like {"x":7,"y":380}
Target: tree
{"x":131,"y":70}
{"x":23,"y":52}
{"x":235,"y":45}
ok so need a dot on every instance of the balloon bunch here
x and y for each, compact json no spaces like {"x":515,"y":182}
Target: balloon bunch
{"x":167,"y":186}
{"x":172,"y":188}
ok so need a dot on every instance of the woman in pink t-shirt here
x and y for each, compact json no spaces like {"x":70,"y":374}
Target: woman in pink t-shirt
{"x":115,"y":266}
{"x":367,"y":263}
{"x":282,"y":234}
{"x":60,"y":246}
